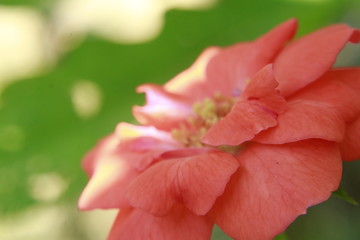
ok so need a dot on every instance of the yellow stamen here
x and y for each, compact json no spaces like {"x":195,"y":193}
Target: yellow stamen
{"x":207,"y":113}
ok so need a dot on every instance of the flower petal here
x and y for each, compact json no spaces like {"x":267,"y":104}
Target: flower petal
{"x":242,"y":124}
{"x":163,"y":109}
{"x":229,"y":70}
{"x":117,"y":160}
{"x":308,"y":58}
{"x":350,"y":146}
{"x":195,"y":181}
{"x":106,"y":188}
{"x":348,"y":76}
{"x":304,"y":120}
{"x":274,"y":184}
{"x":261,"y":90}
{"x":142,"y":144}
{"x":168,"y":106}
{"x":110,"y":174}
{"x":191,"y":83}
{"x":350,"y":149}
{"x":256,"y":110}
{"x":337,"y":88}
{"x":179,"y":224}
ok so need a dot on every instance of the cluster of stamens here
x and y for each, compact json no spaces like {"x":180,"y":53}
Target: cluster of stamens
{"x":206,"y":114}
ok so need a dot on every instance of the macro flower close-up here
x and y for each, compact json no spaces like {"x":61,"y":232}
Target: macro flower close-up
{"x":247,"y":138}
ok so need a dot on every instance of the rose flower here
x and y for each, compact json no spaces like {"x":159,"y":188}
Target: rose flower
{"x":247,"y":138}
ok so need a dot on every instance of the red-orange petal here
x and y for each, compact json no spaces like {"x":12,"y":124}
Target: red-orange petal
{"x":242,"y":124}
{"x":350,"y":147}
{"x":304,"y":120}
{"x":109,"y":173}
{"x":117,"y":160}
{"x":261,"y":90}
{"x":166,"y":107}
{"x":308,"y":58}
{"x":229,"y":70}
{"x":339,"y":89}
{"x":142,"y":144}
{"x":195,"y":181}
{"x":274,"y":184}
{"x":179,"y":224}
{"x":106,"y":188}
{"x":256,"y":110}
{"x":348,"y":76}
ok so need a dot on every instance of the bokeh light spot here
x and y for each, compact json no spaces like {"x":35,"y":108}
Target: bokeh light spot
{"x":122,"y":21}
{"x":33,"y":224}
{"x":24,"y":47}
{"x":47,"y":186}
{"x":86,"y":98}
{"x":98,"y":223}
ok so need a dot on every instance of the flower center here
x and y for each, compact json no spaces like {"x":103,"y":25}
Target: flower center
{"x":206,"y":114}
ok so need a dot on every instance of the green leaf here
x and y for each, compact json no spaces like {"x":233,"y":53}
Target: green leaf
{"x":341,"y":193}
{"x":281,"y":237}
{"x":218,"y":234}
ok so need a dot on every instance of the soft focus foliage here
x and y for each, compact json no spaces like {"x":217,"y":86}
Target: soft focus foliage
{"x":43,"y":136}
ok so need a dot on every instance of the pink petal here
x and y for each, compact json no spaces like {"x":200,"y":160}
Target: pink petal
{"x":303,"y":120}
{"x":274,"y":185}
{"x":163,"y":109}
{"x":339,"y":89}
{"x":256,"y":110}
{"x":103,"y":147}
{"x":228,"y":71}
{"x":179,"y":224}
{"x":308,"y":58}
{"x":142,"y":144}
{"x":117,"y":160}
{"x":106,"y":188}
{"x":350,"y":147}
{"x":195,"y":181}
{"x":110,"y":175}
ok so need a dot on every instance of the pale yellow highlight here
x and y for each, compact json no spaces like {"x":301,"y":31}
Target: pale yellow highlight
{"x":127,"y":131}
{"x":47,"y":186}
{"x":98,"y":222}
{"x":24,"y":45}
{"x":106,"y":174}
{"x":123,"y":21}
{"x":195,"y":73}
{"x":86,"y":97}
{"x":50,"y":222}
{"x":33,"y":224}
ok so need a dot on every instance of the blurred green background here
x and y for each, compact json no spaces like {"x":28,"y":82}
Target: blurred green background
{"x":68,"y":73}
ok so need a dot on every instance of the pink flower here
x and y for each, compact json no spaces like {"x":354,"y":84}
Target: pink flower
{"x":247,"y":138}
